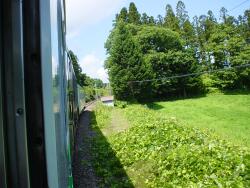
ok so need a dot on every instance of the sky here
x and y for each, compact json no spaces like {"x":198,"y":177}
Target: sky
{"x":89,"y":23}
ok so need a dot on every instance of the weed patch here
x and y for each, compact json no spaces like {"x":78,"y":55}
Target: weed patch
{"x":158,"y":151}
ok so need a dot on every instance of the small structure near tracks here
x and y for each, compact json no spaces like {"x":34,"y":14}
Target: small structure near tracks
{"x":109,"y":100}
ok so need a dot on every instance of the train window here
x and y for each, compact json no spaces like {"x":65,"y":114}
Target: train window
{"x":59,"y":97}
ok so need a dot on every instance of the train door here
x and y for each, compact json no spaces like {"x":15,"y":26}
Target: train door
{"x":33,"y":93}
{"x":14,"y":163}
{"x":33,"y":147}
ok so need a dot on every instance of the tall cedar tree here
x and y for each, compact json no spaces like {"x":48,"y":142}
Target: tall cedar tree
{"x":181,"y":13}
{"x":124,"y":61}
{"x":133,"y":15}
{"x":170,"y":20}
{"x":123,"y":16}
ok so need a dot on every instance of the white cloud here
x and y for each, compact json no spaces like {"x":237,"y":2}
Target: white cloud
{"x":83,"y":12}
{"x":93,"y":67}
{"x":102,"y":74}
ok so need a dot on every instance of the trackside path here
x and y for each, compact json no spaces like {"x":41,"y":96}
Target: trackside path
{"x":83,"y":172}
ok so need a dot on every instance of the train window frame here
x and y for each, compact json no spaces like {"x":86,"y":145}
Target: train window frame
{"x":47,"y":77}
{"x":13,"y":94}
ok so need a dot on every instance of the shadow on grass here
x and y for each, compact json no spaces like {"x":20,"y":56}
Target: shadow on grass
{"x":237,"y":92}
{"x":107,"y":166}
{"x":154,"y":106}
{"x":175,"y":98}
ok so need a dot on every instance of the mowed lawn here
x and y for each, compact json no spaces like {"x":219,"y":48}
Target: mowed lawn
{"x":227,"y":115}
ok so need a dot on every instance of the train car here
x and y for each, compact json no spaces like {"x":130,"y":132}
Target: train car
{"x":72,"y":101}
{"x":81,"y":99}
{"x":38,"y":96}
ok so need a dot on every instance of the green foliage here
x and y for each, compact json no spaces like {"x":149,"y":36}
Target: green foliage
{"x":167,"y":65}
{"x":125,"y":61}
{"x":123,"y":16}
{"x":170,"y":20}
{"x":181,"y":13}
{"x":107,"y":166}
{"x":147,"y":20}
{"x":133,"y":14}
{"x":188,"y":34}
{"x":90,"y":94}
{"x":98,"y":83}
{"x":92,"y":88}
{"x":226,"y":114}
{"x":149,"y":52}
{"x":121,"y":104}
{"x":158,"y":151}
{"x":158,"y":39}
{"x":102,"y":115}
{"x":81,"y":77}
{"x":144,"y":48}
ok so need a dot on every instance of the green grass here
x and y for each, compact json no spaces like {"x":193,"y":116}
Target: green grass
{"x":228,"y":115}
{"x":155,"y":150}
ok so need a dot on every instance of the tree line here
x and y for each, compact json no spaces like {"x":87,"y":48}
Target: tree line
{"x":148,"y":49}
{"x":91,"y":87}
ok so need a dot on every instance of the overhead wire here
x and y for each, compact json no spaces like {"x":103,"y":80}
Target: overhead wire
{"x":237,"y":6}
{"x":190,"y":74}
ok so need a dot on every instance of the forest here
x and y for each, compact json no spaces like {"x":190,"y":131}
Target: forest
{"x":167,"y":56}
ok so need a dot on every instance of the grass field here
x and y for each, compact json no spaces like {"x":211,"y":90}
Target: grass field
{"x":163,"y":144}
{"x":228,"y":115}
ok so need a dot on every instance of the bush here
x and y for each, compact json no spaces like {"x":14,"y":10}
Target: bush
{"x":121,"y":104}
{"x":177,"y":155}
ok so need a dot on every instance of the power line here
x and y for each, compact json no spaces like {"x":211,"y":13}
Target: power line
{"x":237,"y":6}
{"x":190,"y":74}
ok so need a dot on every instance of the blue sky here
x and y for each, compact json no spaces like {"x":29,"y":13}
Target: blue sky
{"x":89,"y":23}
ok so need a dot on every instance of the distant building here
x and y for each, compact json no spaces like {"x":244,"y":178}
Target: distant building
{"x":109,"y":100}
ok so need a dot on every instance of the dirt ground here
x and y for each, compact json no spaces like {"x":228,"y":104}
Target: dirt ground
{"x":83,"y":172}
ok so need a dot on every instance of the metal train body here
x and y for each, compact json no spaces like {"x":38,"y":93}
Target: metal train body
{"x":39,"y":97}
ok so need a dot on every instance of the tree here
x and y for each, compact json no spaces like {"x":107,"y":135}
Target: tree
{"x":170,"y":21}
{"x":147,"y":20}
{"x":159,"y":20}
{"x":124,"y":61}
{"x":188,"y":34}
{"x":223,"y":14}
{"x":246,"y":26}
{"x":133,"y":15}
{"x":151,"y":20}
{"x":98,"y":83}
{"x":158,"y":39}
{"x":210,"y":25}
{"x":200,"y":40}
{"x":123,"y":16}
{"x":81,"y":77}
{"x":144,"y":18}
{"x":76,"y":66}
{"x":181,"y":14}
{"x":144,"y":53}
{"x":144,"y":48}
{"x":225,"y":18}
